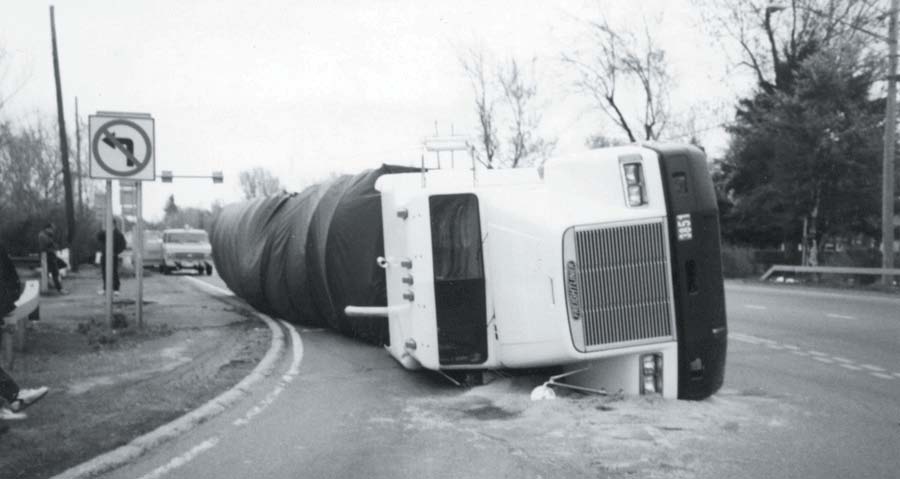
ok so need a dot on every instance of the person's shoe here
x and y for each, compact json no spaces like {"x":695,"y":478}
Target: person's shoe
{"x":101,"y":292}
{"x":63,"y":292}
{"x":27,"y":397}
{"x":115,"y":293}
{"x":7,"y":414}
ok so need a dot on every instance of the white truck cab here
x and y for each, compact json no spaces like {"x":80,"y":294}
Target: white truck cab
{"x":186,"y":249}
{"x":572,"y":265}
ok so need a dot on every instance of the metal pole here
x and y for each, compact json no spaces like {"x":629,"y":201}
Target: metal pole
{"x":438,"y":153}
{"x":63,"y":140}
{"x":108,"y":266}
{"x":78,"y":162}
{"x":139,"y":252}
{"x":452,"y":158}
{"x":890,"y":129}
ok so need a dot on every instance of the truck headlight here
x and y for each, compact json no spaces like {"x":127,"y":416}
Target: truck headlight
{"x":634,"y":184}
{"x":651,"y":373}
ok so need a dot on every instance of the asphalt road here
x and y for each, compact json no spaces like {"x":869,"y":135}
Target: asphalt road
{"x":812,"y":390}
{"x":833,"y":356}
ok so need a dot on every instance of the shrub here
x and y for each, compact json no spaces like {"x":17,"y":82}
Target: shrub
{"x":737,"y":261}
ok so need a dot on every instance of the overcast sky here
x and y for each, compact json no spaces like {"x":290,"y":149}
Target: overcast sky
{"x":306,"y":88}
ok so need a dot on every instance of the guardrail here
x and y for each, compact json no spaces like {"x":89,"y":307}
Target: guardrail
{"x":829,"y":270}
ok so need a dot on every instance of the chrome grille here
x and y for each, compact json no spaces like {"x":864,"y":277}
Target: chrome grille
{"x":624,"y":284}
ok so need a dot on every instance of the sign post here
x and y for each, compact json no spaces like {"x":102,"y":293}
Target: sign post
{"x":122,"y":148}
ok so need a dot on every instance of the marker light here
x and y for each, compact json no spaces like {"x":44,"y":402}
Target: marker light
{"x":651,"y":373}
{"x":632,"y":173}
{"x":635,"y":196}
{"x":634,"y":184}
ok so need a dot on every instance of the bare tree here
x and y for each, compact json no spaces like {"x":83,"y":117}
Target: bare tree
{"x":259,"y":182}
{"x":621,"y":60}
{"x":772,"y":39}
{"x":473,"y":63}
{"x":519,"y":91}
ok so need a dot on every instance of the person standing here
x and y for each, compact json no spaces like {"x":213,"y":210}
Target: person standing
{"x":119,"y":245}
{"x":12,"y":399}
{"x":47,"y":245}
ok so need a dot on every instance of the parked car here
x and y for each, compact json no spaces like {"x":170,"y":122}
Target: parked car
{"x":153,"y":250}
{"x":186,"y":249}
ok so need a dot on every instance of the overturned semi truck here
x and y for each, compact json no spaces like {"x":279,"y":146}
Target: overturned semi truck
{"x":605,"y":263}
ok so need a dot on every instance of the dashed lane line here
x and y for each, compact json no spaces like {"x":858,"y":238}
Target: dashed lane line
{"x":183,"y":459}
{"x":840,"y":316}
{"x":871,"y":369}
{"x":755,"y":306}
{"x":874,"y":368}
{"x":286,"y":379}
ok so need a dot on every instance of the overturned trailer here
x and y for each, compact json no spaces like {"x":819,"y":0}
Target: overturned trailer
{"x":605,"y":263}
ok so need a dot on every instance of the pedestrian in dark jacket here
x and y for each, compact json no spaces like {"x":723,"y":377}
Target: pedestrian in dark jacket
{"x":47,"y":245}
{"x":12,"y":399}
{"x":10,"y":286}
{"x":119,"y":245}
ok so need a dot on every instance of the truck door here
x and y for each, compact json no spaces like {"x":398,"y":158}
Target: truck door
{"x":459,"y":287}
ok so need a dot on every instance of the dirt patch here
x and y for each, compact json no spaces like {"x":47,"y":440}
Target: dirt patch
{"x":108,"y":385}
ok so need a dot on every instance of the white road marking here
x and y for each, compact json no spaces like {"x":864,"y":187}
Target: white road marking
{"x":755,"y":306}
{"x":183,"y":459}
{"x":897,"y":374}
{"x":873,"y":368}
{"x":255,"y":410}
{"x":312,"y":330}
{"x":843,"y":362}
{"x":289,"y":376}
{"x":743,"y":339}
{"x":840,"y":316}
{"x":293,"y":370}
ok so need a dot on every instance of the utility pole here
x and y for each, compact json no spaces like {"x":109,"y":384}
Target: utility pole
{"x":63,"y":140}
{"x":890,"y":131}
{"x":78,"y":159}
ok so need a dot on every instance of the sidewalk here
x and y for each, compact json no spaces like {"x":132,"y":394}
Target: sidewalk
{"x":108,"y":386}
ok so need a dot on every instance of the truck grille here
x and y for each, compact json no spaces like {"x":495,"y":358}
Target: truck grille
{"x":623,"y":281}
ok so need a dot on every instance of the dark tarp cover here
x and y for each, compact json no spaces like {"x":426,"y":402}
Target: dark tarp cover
{"x":304,"y":256}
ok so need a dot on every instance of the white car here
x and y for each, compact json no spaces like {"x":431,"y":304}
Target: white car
{"x":186,"y":249}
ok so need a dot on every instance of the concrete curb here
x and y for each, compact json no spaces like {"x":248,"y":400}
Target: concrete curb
{"x":141,"y":445}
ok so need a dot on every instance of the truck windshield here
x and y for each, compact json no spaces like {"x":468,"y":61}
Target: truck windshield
{"x":192,"y":237}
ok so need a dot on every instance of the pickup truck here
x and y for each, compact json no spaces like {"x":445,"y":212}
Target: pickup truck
{"x":186,"y":249}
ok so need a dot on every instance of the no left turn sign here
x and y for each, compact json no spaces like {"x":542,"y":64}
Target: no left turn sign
{"x":122,"y":146}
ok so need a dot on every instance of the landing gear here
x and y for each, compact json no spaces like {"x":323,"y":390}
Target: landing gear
{"x":209,"y":269}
